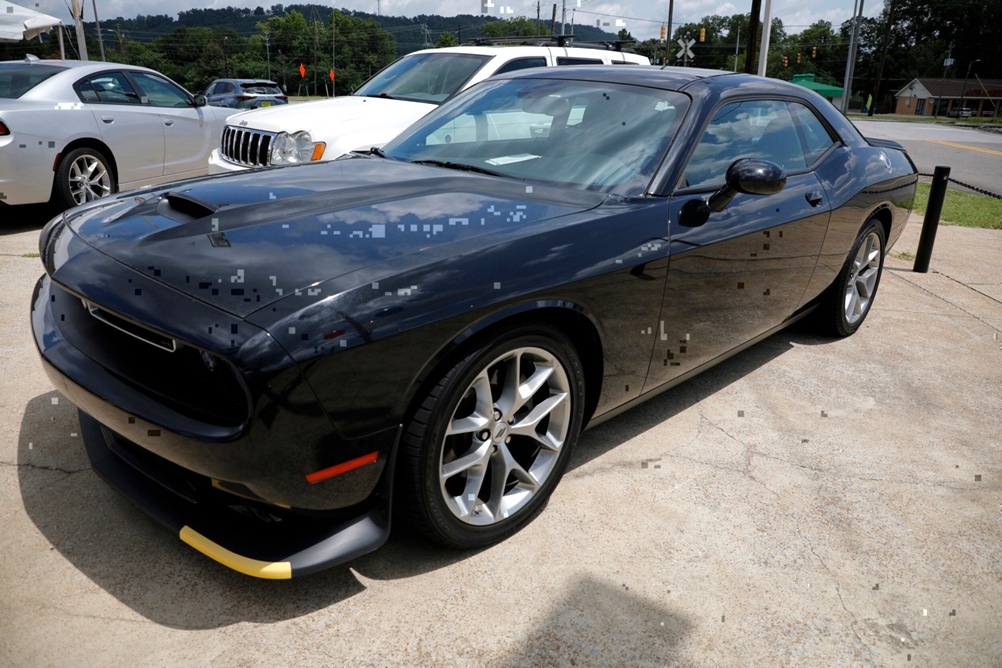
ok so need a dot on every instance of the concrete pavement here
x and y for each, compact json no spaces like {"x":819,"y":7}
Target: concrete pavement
{"x":808,"y":502}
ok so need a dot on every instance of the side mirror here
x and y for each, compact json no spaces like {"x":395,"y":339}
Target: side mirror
{"x":750,"y":177}
{"x":201,"y":100}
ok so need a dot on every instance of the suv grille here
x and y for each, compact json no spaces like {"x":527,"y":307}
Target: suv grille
{"x":251,"y":148}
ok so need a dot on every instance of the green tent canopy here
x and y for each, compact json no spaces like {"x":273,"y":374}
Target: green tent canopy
{"x":824,"y":90}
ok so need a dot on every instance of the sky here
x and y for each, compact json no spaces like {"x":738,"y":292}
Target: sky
{"x":641,"y":17}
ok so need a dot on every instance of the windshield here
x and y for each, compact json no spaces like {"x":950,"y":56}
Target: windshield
{"x":592,"y":135}
{"x":16,"y":79}
{"x":424,"y":77}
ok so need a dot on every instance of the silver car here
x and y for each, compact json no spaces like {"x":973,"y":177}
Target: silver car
{"x":73,"y":131}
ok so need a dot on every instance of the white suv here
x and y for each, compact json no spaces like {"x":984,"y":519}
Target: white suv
{"x":387,"y":103}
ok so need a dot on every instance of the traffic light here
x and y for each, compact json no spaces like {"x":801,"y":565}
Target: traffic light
{"x":702,"y":35}
{"x":662,"y":31}
{"x":786,"y":61}
{"x":814,"y":52}
{"x":798,"y":58}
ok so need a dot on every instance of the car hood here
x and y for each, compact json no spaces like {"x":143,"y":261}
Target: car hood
{"x":327,"y":116}
{"x":241,"y":241}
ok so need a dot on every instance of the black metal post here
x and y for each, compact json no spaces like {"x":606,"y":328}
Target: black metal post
{"x":931,"y":221}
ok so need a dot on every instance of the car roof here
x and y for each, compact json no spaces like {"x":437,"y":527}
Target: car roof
{"x":668,"y":78}
{"x":516,"y":50}
{"x":79,"y":66}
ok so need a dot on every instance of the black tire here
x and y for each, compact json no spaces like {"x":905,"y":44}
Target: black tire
{"x":850,"y":298}
{"x":84,"y":174}
{"x":434,"y":497}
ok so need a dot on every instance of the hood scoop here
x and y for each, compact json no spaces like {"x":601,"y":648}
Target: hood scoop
{"x":182,"y":208}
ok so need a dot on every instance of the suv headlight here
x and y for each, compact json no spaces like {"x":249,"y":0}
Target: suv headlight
{"x":289,"y":149}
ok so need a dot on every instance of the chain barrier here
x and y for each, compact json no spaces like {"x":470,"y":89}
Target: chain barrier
{"x":980,"y":191}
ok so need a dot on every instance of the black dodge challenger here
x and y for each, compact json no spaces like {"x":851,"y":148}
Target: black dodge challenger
{"x":272,"y":363}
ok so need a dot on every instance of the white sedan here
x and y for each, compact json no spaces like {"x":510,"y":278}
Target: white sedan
{"x":73,"y":131}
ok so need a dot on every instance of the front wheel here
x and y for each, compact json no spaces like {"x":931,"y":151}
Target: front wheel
{"x":84,"y":174}
{"x":850,"y":297}
{"x":492,"y":439}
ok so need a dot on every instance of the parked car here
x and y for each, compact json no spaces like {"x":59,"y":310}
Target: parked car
{"x":387,"y":103}
{"x":960,"y":112}
{"x":73,"y":131}
{"x":274,"y":363}
{"x":245,"y":93}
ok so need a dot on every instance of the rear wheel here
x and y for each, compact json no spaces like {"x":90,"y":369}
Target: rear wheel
{"x":850,"y":297}
{"x":492,"y":439}
{"x":84,"y":174}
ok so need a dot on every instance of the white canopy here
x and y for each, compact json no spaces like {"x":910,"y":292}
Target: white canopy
{"x":17,"y":22}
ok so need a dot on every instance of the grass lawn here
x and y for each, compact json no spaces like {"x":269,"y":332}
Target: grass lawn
{"x":963,"y":208}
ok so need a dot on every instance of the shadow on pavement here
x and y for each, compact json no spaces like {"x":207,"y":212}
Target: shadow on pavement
{"x":16,"y":219}
{"x":152,"y":572}
{"x":598,"y":623}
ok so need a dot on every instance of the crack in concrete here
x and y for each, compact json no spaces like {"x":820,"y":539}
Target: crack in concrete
{"x":83,"y":615}
{"x":41,"y":467}
{"x":838,"y":591}
{"x":746,"y":456}
{"x":947,"y":301}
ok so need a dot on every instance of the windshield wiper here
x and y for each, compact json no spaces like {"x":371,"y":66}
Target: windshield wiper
{"x":460,"y":166}
{"x":374,"y":150}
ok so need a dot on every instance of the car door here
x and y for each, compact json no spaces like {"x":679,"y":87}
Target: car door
{"x":739,"y":272}
{"x":190,"y":132}
{"x":131,"y":129}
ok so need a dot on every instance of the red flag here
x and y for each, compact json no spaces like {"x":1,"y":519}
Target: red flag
{"x":332,"y":75}
{"x":302,"y":70}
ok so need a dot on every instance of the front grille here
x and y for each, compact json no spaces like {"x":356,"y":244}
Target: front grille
{"x":250,"y":148}
{"x":185,"y":379}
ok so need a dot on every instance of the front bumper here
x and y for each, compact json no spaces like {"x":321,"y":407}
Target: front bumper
{"x":237,"y":487}
{"x":249,"y":538}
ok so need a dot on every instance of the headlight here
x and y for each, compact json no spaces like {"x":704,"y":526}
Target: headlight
{"x":289,"y":149}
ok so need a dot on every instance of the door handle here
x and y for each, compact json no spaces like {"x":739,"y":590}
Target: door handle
{"x":814,"y":197}
{"x":108,"y":119}
{"x":168,"y":122}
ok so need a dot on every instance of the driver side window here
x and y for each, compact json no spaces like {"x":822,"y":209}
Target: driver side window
{"x":761,"y":129}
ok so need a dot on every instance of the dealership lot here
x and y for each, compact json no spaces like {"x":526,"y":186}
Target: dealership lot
{"x":808,"y":502}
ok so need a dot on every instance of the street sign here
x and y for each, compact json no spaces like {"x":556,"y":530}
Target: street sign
{"x":686,"y":50}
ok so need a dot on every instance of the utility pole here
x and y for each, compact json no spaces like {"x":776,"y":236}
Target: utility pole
{"x":539,"y":28}
{"x":763,"y":56}
{"x":963,"y":91}
{"x":100,"y":37}
{"x":267,"y":51}
{"x":563,"y":18}
{"x":553,"y":21}
{"x":737,"y":48}
{"x":850,"y":66}
{"x":121,"y":44}
{"x":77,"y":11}
{"x":334,"y":62}
{"x":671,"y":10}
{"x":756,"y":11}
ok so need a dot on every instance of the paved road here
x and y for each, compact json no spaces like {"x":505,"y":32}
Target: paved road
{"x":974,"y":156}
{"x":808,"y":502}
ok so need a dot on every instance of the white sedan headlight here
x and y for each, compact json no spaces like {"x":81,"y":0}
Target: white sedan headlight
{"x":290,"y":149}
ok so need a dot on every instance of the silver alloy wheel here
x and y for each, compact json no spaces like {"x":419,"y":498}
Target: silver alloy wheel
{"x":505,"y":436}
{"x":863,"y":277}
{"x":88,"y":179}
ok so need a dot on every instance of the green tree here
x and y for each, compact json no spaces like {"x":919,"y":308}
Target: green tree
{"x":514,"y":27}
{"x":362,"y":48}
{"x":446,"y":39}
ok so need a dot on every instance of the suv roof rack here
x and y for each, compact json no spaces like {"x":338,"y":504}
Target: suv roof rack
{"x":553,"y":40}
